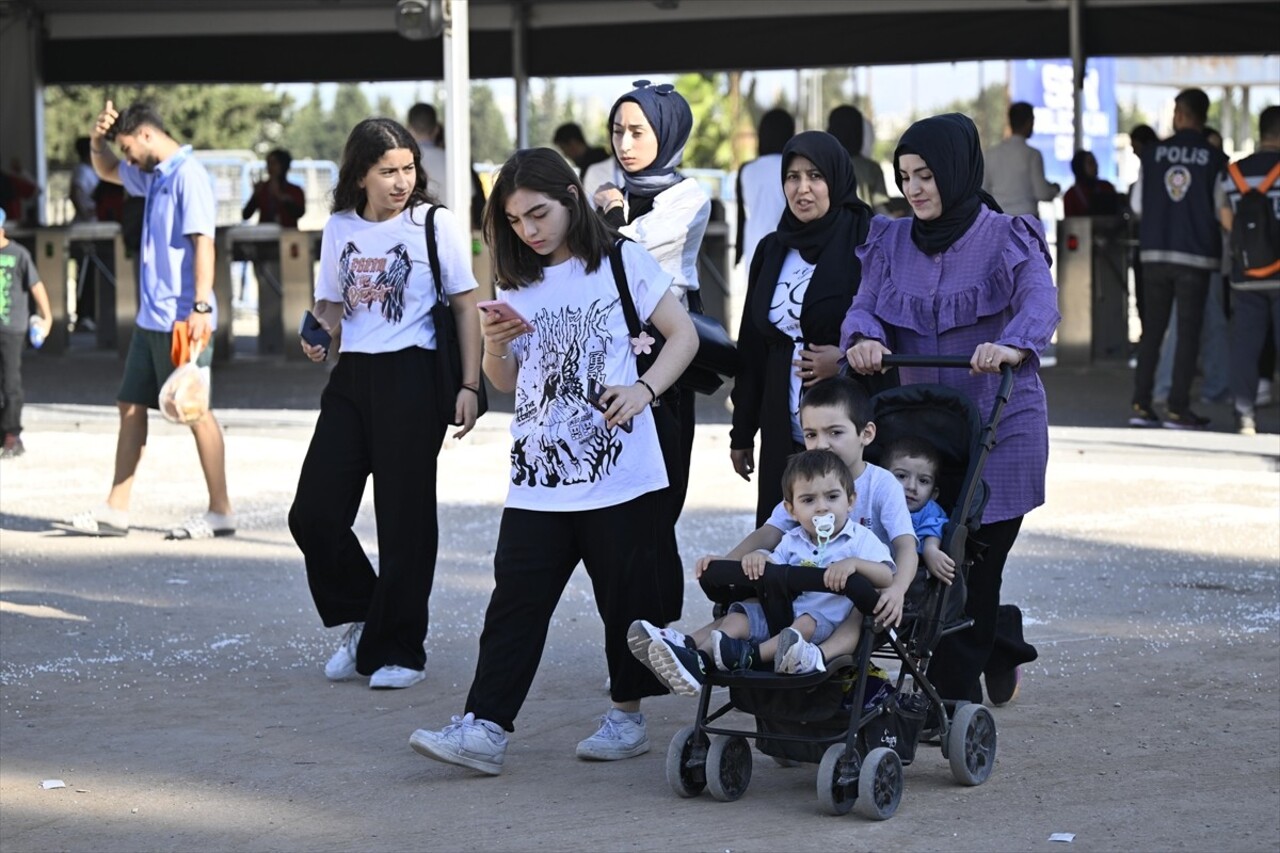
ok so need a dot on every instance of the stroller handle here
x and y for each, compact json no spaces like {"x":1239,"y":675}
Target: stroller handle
{"x":936,"y":361}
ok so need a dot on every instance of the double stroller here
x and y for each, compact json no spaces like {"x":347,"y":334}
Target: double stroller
{"x":859,"y":743}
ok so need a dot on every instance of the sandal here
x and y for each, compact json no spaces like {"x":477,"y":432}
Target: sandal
{"x":204,"y":526}
{"x":87,"y":523}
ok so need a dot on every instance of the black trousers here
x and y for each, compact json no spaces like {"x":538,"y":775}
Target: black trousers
{"x":536,"y":554}
{"x":1254,"y":313}
{"x":378,"y":416}
{"x":11,"y":346}
{"x":1162,"y":283}
{"x":994,"y":642}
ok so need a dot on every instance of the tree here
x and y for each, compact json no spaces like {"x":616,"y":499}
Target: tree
{"x":206,"y":117}
{"x":711,"y":142}
{"x":490,"y":141}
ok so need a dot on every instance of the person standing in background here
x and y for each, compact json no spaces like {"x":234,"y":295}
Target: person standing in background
{"x":1015,"y":170}
{"x":83,"y":183}
{"x":1181,"y":246}
{"x":18,"y":279}
{"x":424,"y":124}
{"x":760,"y":198}
{"x":847,"y":124}
{"x":1255,"y":298}
{"x":572,"y":144}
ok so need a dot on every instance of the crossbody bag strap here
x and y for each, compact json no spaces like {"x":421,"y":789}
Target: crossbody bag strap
{"x":433,"y":254}
{"x":624,"y":290}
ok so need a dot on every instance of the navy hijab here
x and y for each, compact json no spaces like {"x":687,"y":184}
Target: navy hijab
{"x":949,"y":145}
{"x":669,"y":115}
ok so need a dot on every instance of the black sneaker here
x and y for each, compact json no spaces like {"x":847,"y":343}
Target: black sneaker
{"x":1142,"y":416}
{"x":1245,"y":424}
{"x":681,"y":668}
{"x":1183,"y":420}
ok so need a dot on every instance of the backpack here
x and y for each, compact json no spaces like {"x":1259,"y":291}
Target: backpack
{"x":1255,"y":232}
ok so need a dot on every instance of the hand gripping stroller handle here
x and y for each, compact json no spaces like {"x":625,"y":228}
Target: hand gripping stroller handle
{"x":724,"y":581}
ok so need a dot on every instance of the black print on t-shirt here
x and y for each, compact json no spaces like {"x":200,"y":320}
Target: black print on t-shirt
{"x":369,"y":280}
{"x":794,"y":299}
{"x":569,"y":442}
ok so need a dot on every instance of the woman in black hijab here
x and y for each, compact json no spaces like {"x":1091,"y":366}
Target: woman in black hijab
{"x":802,"y":280}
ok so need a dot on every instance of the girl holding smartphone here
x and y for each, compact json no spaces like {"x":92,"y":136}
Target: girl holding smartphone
{"x":582,"y":488}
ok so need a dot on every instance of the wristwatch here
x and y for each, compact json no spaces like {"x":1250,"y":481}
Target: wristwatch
{"x":202,"y":308}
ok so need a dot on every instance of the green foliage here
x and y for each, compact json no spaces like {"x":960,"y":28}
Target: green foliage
{"x":710,"y":144}
{"x":207,"y":117}
{"x":490,"y":141}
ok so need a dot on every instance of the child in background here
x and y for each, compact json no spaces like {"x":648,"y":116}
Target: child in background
{"x":818,"y":491}
{"x":18,"y":278}
{"x":915,"y":462}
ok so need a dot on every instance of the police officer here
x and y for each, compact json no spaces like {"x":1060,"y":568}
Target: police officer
{"x":1180,"y":244}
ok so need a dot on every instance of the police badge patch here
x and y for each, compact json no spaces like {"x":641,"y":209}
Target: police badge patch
{"x":1177,"y":179}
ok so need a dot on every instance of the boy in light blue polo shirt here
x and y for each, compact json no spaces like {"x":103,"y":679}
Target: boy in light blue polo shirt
{"x":176,"y":308}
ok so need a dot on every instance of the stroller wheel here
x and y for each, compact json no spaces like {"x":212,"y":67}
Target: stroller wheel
{"x":838,"y":779}
{"x":687,"y":762}
{"x":971,"y":744}
{"x":728,"y":768}
{"x":879,"y":785}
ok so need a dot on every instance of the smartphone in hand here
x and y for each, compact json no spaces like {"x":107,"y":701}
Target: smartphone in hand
{"x":594,"y":391}
{"x":502,"y":311}
{"x":313,"y":333}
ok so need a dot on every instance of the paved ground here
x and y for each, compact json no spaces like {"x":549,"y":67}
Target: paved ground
{"x":176,"y":687}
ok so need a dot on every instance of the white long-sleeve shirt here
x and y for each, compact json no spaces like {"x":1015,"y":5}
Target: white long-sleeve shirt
{"x":672,"y":231}
{"x":1014,"y":175}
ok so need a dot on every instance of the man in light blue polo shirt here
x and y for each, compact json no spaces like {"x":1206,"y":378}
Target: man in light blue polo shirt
{"x":175,"y":277}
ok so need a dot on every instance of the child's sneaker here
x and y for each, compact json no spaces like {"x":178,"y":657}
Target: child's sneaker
{"x":643,"y":634}
{"x":466,"y":741}
{"x":621,"y":735}
{"x":732,"y":654}
{"x":796,"y":655}
{"x":343,"y":663}
{"x":681,"y":668}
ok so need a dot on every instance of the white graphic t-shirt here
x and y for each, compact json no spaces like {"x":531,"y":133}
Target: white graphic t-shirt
{"x":563,"y":457}
{"x":784,"y":314}
{"x":379,"y":272}
{"x":880,"y":506}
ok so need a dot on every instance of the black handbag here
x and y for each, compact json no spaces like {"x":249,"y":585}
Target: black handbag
{"x":448,"y":347}
{"x":717,"y":356}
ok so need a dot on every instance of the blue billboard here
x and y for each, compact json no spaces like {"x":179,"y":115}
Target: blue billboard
{"x":1047,"y":85}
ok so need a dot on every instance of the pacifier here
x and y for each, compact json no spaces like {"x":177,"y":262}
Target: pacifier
{"x":824,"y":526}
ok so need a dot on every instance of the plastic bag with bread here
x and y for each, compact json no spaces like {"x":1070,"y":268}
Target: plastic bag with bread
{"x":184,"y":397}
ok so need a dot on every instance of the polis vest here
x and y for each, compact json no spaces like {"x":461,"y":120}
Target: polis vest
{"x":1179,"y":220}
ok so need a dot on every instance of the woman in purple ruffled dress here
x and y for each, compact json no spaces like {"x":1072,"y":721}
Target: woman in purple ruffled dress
{"x":961,"y":278}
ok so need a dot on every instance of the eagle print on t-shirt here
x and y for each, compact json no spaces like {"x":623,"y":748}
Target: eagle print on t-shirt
{"x":367,"y":281}
{"x":567,"y":440}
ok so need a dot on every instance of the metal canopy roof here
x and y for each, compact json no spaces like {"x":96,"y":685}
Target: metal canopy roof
{"x":90,"y":41}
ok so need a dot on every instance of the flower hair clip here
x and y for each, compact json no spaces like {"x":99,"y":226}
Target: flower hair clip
{"x":643,"y":344}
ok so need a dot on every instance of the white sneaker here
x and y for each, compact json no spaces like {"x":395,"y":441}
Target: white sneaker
{"x":392,"y":677}
{"x":619,"y":736}
{"x":641,"y":635}
{"x":343,"y":663}
{"x":466,"y":741}
{"x":796,"y":655}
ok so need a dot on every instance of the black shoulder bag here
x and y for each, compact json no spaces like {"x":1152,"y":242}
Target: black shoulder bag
{"x":448,"y":347}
